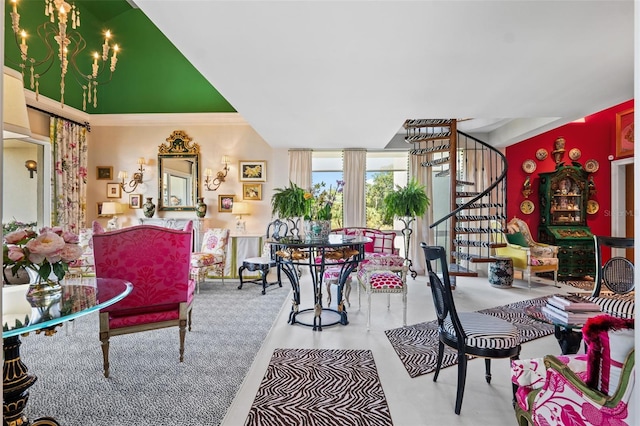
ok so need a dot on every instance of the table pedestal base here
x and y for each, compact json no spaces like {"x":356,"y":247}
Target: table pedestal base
{"x":16,"y":382}
{"x":568,"y":339}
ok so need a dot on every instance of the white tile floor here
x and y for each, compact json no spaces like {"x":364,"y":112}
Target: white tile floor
{"x":412,"y":401}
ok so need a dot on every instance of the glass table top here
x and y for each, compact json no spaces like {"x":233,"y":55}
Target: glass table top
{"x":79,"y":296}
{"x":334,"y":240}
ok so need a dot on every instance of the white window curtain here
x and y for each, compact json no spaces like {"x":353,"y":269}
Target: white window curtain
{"x":300,"y":167}
{"x":354,"y":167}
{"x":421,"y":232}
{"x":69,"y":183}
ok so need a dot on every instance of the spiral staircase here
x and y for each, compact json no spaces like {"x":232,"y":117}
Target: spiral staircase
{"x":472,"y":175}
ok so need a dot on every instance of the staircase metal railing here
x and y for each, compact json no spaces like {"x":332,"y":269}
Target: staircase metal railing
{"x":477,"y":188}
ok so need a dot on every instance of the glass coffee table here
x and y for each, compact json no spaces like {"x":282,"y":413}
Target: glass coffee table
{"x":569,"y":336}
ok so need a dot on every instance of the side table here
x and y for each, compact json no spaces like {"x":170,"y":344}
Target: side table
{"x":501,"y":272}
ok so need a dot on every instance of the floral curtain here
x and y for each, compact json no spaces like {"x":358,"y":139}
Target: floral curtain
{"x":69,"y":182}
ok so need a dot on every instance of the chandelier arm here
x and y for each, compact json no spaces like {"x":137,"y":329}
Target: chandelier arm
{"x":60,"y":25}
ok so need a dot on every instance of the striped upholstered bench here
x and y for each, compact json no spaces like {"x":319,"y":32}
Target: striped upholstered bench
{"x":622,"y":306}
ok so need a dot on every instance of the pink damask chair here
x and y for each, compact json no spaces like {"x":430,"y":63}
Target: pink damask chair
{"x":212,"y":257}
{"x":595,"y":388}
{"x":156,"y":261}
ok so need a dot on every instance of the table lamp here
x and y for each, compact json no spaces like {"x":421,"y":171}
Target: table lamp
{"x":112,"y":208}
{"x":239,"y":209}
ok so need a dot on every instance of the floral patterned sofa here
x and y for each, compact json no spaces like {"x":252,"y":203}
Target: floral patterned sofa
{"x":595,"y":388}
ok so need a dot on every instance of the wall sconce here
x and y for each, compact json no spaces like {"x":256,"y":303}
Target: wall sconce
{"x":32,"y":166}
{"x":137,"y":178}
{"x":239,"y":209}
{"x":114,"y":209}
{"x":210,"y":183}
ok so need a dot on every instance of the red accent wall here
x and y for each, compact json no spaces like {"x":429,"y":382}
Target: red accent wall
{"x":595,"y":138}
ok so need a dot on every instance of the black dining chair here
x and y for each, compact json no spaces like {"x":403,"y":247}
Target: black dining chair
{"x":617,"y":273}
{"x":469,"y":333}
{"x":263,"y":264}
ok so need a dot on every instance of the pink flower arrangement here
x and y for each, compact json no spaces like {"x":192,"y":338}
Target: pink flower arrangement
{"x":48,"y":252}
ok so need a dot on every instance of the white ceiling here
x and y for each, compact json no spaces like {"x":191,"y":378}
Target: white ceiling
{"x":336,"y":74}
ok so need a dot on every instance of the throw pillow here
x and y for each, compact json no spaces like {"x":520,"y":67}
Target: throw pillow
{"x":517,"y":239}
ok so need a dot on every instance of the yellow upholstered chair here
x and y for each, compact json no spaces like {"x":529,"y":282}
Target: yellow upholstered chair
{"x":528,"y":256}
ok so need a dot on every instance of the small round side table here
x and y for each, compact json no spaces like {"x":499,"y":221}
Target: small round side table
{"x":501,"y":272}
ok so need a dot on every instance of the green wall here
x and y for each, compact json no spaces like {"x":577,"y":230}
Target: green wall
{"x":151,"y":76}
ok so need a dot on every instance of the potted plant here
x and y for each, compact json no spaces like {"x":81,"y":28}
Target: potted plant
{"x":406,"y":203}
{"x":288,"y":202}
{"x":409,"y":201}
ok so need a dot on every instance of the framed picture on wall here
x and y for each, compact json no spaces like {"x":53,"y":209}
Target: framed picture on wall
{"x":252,"y":191}
{"x":113,"y":190}
{"x":104,"y":173}
{"x":225,"y":203}
{"x":624,"y":133}
{"x":135,"y":201}
{"x":253,"y":171}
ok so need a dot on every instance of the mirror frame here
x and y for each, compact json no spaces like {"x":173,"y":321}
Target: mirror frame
{"x":179,"y":145}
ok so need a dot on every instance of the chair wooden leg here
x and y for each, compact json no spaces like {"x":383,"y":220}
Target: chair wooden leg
{"x":104,"y":339}
{"x":328,"y":293}
{"x":183,"y":332}
{"x":347,"y":292}
{"x":369,"y":310}
{"x":462,"y":377}
{"x":404,"y":307}
{"x":487,"y":374}
{"x":439,"y":360}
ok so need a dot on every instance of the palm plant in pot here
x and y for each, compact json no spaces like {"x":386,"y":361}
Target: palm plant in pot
{"x":406,"y":203}
{"x":289,"y":203}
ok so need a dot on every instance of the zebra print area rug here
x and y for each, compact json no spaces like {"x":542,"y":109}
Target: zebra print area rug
{"x":417,"y":345}
{"x":320,"y":387}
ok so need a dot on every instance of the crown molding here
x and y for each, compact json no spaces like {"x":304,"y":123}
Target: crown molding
{"x":227,"y":118}
{"x":120,"y":120}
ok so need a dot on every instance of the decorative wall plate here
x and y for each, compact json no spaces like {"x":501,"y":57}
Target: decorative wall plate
{"x":591,"y":166}
{"x":592,"y":207}
{"x":527,"y":207}
{"x":529,"y":166}
{"x":542,"y":154}
{"x":574,"y":154}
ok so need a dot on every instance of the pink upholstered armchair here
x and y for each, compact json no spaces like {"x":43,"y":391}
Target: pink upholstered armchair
{"x":591,"y":389}
{"x":156,"y":261}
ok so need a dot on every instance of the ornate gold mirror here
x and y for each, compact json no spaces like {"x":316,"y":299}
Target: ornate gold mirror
{"x":178,"y":173}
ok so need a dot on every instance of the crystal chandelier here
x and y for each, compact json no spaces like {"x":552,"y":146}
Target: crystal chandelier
{"x":66,"y":43}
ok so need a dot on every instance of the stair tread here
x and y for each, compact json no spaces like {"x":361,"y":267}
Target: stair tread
{"x":426,"y":122}
{"x":421,"y":151}
{"x":427,"y":137}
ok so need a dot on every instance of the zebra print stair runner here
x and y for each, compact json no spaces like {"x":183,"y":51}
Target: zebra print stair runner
{"x":417,"y":345}
{"x":320,"y":387}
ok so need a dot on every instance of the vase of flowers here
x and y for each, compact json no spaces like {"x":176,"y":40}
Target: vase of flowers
{"x":45,"y":255}
{"x":317,"y":219}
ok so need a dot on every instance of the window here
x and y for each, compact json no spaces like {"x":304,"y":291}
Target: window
{"x":384,"y":171}
{"x":327,"y":168}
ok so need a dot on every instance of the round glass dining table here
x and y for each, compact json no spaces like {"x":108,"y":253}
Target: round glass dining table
{"x":22,"y":314}
{"x":293,"y":253}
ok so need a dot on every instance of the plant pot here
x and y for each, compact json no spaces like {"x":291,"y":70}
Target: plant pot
{"x":317,"y":230}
